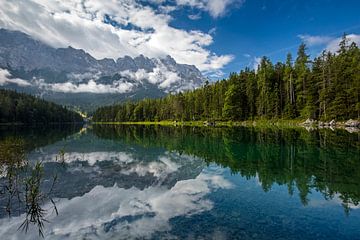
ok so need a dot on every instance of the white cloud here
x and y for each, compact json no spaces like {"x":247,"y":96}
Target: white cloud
{"x":216,"y":8}
{"x":119,"y":213}
{"x":160,"y":76}
{"x":90,"y":87}
{"x":68,"y":87}
{"x":333,"y":45}
{"x":167,"y":9}
{"x":215,"y":74}
{"x":212,"y":31}
{"x":140,"y":29}
{"x":256,"y":63}
{"x":195,"y":16}
{"x":315,"y":40}
{"x":6,"y":78}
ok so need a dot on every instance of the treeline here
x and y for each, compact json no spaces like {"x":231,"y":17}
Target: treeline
{"x":325,"y":88}
{"x":23,"y":108}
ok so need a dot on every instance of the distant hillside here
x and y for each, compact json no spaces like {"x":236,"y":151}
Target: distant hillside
{"x":22,"y":108}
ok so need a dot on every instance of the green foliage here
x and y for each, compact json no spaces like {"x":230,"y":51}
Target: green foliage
{"x":22,"y":108}
{"x":326,"y":88}
{"x":235,"y":99}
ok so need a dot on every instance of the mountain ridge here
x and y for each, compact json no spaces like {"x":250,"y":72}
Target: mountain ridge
{"x":65,"y":72}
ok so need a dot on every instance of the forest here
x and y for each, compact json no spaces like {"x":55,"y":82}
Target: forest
{"x":325,"y":88}
{"x":26,"y":109}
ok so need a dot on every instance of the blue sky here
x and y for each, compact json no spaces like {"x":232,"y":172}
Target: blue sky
{"x":273,"y":28}
{"x":217,"y":36}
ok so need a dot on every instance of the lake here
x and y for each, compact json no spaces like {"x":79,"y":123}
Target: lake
{"x":156,"y":182}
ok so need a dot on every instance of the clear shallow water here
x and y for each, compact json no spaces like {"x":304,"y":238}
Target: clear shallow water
{"x":135,"y":182}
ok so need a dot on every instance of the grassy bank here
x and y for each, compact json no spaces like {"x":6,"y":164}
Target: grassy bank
{"x":256,"y":123}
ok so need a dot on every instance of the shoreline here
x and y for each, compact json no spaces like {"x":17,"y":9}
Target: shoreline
{"x":298,"y":123}
{"x":39,"y":123}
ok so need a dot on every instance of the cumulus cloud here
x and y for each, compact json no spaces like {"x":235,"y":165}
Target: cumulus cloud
{"x":333,"y":45}
{"x":216,"y":8}
{"x":6,"y":78}
{"x":67,"y":87}
{"x":160,"y":76}
{"x":116,"y":28}
{"x":315,"y":40}
{"x":256,"y":63}
{"x":90,"y":87}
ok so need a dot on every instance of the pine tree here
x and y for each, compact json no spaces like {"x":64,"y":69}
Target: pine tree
{"x":231,"y":104}
{"x":302,"y":74}
{"x":264,"y":78}
{"x":290,"y":100}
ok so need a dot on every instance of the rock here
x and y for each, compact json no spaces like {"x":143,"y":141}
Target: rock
{"x":321,"y":124}
{"x":352,"y":123}
{"x":352,"y":129}
{"x":309,"y":128}
{"x":332,"y":123}
{"x":309,"y":122}
{"x":206,"y":123}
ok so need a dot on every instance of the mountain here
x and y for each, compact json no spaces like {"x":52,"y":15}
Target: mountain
{"x":73,"y":77}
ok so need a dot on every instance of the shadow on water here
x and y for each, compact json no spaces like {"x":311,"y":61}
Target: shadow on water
{"x":22,"y":183}
{"x":327,"y":161}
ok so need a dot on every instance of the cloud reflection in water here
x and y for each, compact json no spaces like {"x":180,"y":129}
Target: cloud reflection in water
{"x":108,"y":212}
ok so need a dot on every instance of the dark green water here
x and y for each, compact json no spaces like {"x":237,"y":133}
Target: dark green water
{"x":136,"y":182}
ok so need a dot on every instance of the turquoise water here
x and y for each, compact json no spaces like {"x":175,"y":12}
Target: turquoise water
{"x":137,"y":182}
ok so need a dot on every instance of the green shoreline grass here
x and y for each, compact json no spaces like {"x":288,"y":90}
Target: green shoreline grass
{"x":249,"y":123}
{"x":259,"y":123}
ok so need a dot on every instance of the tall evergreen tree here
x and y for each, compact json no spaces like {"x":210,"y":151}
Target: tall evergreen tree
{"x":290,"y":100}
{"x":302,"y":75}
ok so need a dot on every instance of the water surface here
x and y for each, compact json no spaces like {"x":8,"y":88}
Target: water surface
{"x":152,"y":182}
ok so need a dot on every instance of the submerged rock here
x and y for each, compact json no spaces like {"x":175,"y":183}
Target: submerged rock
{"x":352,"y":123}
{"x":352,"y":129}
{"x":332,"y":123}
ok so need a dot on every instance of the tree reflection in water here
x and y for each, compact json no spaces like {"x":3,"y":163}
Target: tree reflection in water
{"x":325,"y":161}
